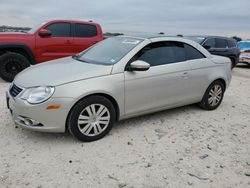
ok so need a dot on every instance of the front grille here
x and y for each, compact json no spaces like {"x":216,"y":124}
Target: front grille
{"x":14,"y":90}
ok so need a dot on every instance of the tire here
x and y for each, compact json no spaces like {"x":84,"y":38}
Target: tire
{"x":87,"y":127}
{"x":233,"y":63}
{"x":208,"y":101}
{"x":11,"y":64}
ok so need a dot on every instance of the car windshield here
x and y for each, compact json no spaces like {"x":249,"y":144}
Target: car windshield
{"x":195,"y":39}
{"x":109,"y":51}
{"x":34,"y":29}
{"x":243,"y":45}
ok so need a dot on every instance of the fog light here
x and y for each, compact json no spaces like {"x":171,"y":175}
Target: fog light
{"x":27,"y":121}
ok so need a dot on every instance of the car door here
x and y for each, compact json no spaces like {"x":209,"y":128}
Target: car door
{"x":201,"y":68}
{"x":164,"y":84}
{"x":209,"y":44}
{"x":220,"y":47}
{"x":233,"y":51}
{"x":58,"y":45}
{"x":85,"y":36}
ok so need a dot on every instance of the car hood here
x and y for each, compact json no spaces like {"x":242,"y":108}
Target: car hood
{"x":12,"y":33}
{"x":59,"y":72}
{"x":17,"y":35}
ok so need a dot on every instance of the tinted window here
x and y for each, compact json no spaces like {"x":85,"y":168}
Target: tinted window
{"x":85,"y":30}
{"x":160,"y":53}
{"x":210,"y":42}
{"x":192,"y":53}
{"x":59,"y":29}
{"x":231,"y":43}
{"x":220,"y":43}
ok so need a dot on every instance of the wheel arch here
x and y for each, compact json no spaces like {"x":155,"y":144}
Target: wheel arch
{"x":107,"y":96}
{"x":222,"y":81}
{"x":22,"y":49}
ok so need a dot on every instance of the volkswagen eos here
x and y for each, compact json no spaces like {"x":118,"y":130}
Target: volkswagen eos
{"x":118,"y":78}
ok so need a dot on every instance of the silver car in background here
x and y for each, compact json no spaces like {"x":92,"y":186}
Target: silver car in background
{"x":118,"y":78}
{"x":244,"y":47}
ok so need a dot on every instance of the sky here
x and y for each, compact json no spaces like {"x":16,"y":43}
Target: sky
{"x":187,"y":17}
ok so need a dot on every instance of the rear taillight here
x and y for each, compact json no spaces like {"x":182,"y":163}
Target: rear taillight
{"x":245,"y":51}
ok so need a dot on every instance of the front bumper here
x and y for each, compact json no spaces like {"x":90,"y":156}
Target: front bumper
{"x":37,"y":117}
{"x":244,"y":58}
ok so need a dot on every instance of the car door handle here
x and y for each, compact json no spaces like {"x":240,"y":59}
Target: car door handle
{"x":184,"y":75}
{"x":67,"y":42}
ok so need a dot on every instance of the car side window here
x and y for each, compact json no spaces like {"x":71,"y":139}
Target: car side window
{"x":231,"y":44}
{"x":60,"y":29}
{"x":192,"y":53}
{"x":85,"y":30}
{"x":210,"y":42}
{"x":220,"y":43}
{"x":161,"y":53}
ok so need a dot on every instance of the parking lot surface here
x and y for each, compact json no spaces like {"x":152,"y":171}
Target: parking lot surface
{"x":182,"y":147}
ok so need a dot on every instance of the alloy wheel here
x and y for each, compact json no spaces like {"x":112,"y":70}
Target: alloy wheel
{"x":215,"y":95}
{"x":93,"y":119}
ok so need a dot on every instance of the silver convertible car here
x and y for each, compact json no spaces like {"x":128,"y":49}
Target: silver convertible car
{"x":118,"y":78}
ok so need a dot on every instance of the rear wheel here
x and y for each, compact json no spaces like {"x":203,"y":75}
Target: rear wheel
{"x":91,"y":118}
{"x":11,"y":64}
{"x":213,"y":96}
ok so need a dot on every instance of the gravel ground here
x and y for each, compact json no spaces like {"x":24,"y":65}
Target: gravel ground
{"x":183,"y":147}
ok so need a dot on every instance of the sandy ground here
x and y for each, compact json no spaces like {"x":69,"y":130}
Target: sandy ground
{"x":183,"y":147}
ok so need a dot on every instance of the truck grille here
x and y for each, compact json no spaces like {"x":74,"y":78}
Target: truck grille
{"x":14,"y":90}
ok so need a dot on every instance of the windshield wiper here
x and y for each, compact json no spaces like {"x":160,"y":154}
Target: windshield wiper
{"x":76,"y":57}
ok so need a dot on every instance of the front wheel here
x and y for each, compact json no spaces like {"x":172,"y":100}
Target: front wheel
{"x":91,"y":118}
{"x":213,"y":96}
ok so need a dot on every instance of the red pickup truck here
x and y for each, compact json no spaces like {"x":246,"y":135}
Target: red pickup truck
{"x":47,"y":41}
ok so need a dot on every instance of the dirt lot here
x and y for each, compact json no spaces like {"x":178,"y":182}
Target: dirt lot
{"x":183,"y":147}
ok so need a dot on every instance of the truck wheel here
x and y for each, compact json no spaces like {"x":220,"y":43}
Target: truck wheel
{"x":11,"y":64}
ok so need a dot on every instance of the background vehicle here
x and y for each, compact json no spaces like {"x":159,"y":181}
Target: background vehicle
{"x":222,"y":46}
{"x":47,"y":41}
{"x":120,"y":77}
{"x":244,"y":47}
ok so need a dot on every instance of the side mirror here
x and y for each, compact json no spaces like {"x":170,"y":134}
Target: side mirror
{"x":45,"y":33}
{"x":207,"y":47}
{"x":138,"y":65}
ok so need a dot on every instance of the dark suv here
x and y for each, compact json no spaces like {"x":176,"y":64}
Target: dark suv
{"x":222,"y":46}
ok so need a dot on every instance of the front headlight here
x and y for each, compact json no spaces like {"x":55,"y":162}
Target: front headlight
{"x":37,"y":95}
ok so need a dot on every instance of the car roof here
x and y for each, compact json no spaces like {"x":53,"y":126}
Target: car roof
{"x":151,"y":36}
{"x":72,"y":21}
{"x":209,"y":36}
{"x":143,"y":35}
{"x":159,"y":38}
